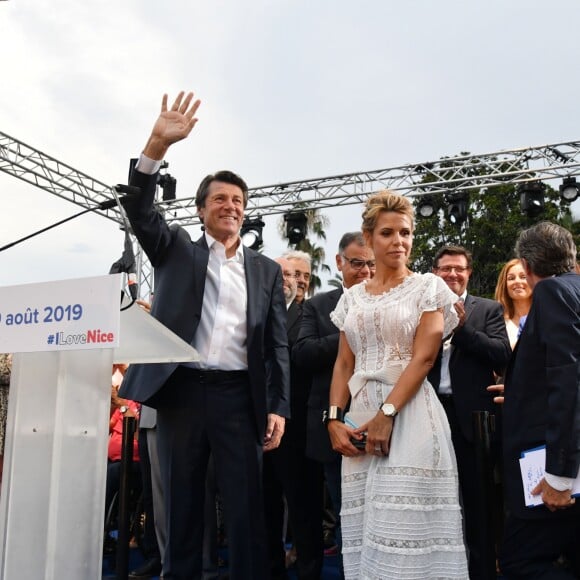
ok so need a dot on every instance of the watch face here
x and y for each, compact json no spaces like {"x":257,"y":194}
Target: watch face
{"x":389,"y":410}
{"x":124,"y":409}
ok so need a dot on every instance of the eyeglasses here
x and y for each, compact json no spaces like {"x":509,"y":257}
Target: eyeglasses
{"x":449,"y":269}
{"x":305,"y":275}
{"x":360,"y":264}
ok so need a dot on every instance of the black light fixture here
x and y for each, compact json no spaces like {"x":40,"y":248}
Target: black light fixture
{"x":532,"y":198}
{"x":169,"y":185}
{"x":457,"y":204}
{"x":296,"y":222}
{"x":426,"y":206}
{"x":251,"y":232}
{"x":569,"y":189}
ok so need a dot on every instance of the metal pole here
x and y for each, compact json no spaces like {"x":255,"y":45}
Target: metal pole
{"x":124,"y":538}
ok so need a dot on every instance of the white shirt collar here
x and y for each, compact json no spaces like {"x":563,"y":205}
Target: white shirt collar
{"x":211,"y":241}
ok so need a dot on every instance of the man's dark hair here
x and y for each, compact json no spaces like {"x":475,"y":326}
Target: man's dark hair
{"x":453,"y":251}
{"x":223,"y":176}
{"x":548,"y":248}
{"x":349,"y":238}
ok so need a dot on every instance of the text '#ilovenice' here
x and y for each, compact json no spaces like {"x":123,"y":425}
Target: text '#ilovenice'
{"x":96,"y":336}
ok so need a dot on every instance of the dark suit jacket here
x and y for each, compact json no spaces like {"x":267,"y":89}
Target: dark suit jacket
{"x":180,"y":273}
{"x":300,"y":380}
{"x":316,"y":349}
{"x":480,"y":347}
{"x":542,"y":390}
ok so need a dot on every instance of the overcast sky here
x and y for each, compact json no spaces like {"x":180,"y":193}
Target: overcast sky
{"x":290,"y":89}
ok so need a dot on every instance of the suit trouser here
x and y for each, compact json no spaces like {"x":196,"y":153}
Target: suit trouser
{"x":333,"y":475}
{"x":532,"y":547}
{"x":473,"y":514}
{"x":150,"y":542}
{"x":210,"y":548}
{"x":301,"y":480}
{"x":156,"y":489}
{"x":193,"y":418}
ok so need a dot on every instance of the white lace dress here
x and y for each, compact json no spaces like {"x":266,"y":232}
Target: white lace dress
{"x":400,"y":513}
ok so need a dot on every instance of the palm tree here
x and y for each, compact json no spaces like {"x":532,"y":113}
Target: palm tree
{"x":315,"y":224}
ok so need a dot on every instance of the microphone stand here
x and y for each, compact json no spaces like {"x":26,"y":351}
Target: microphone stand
{"x":108,"y":204}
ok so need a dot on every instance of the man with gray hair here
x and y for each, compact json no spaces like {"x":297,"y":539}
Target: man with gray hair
{"x":542,"y":408}
{"x":288,"y":279}
{"x":287,"y":471}
{"x":302,"y":263}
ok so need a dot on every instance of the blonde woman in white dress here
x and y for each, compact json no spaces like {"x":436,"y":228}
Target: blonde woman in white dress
{"x":400,"y":510}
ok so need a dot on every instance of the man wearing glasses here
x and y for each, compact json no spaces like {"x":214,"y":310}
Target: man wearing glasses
{"x":468,"y":358}
{"x":316,"y":350}
{"x":288,"y":280}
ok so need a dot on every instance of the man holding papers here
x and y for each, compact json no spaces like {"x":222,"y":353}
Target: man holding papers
{"x":542,"y":407}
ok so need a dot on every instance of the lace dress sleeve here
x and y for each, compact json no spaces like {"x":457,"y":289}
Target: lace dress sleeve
{"x":338,"y":315}
{"x":436,"y":295}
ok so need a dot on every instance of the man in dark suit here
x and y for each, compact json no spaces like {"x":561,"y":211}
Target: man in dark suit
{"x":477,"y":348}
{"x":287,"y":471}
{"x":542,"y":407}
{"x":316,"y":350}
{"x":227,"y":301}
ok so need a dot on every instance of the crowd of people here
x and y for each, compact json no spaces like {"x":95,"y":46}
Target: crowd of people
{"x":367,"y":390}
{"x":349,"y":411}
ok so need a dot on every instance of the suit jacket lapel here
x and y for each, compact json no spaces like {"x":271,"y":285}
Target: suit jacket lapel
{"x":254,"y":281}
{"x":470,"y":303}
{"x":294,"y":313}
{"x":200,"y":260}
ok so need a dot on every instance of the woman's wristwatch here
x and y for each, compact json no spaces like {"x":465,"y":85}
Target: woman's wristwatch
{"x":389,"y":410}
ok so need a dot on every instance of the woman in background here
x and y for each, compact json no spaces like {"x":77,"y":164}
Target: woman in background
{"x":514,"y":294}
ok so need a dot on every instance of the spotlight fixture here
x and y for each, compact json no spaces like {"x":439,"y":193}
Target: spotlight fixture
{"x":295,"y":226}
{"x":251,"y":232}
{"x":169,"y":185}
{"x":457,"y":207}
{"x":426,"y":206}
{"x":569,"y":189}
{"x":532,"y":198}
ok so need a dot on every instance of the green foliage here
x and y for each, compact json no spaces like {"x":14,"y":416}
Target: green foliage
{"x":490,"y":232}
{"x":336,"y":281}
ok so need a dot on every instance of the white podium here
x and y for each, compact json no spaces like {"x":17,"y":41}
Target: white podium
{"x":55,"y":458}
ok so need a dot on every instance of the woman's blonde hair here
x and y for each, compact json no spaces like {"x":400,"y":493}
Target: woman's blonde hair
{"x":501,"y":292}
{"x":385,"y":201}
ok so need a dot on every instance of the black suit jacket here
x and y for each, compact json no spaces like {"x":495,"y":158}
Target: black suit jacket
{"x":542,"y":390}
{"x":300,"y":381}
{"x":180,"y":273}
{"x":480,"y":347}
{"x":316,"y":349}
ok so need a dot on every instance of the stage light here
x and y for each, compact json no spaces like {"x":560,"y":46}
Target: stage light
{"x":532,"y":198}
{"x":426,"y":206}
{"x":569,"y":189}
{"x":295,"y":226}
{"x":169,"y":185}
{"x":457,"y":207}
{"x":251,"y":232}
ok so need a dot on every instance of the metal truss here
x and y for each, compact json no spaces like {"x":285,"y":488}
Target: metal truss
{"x":448,"y":174}
{"x":462,"y":172}
{"x":50,"y":174}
